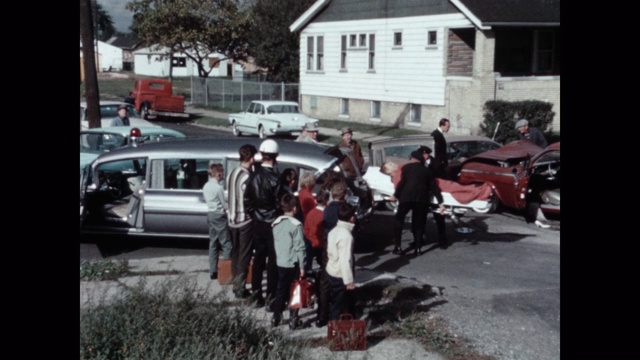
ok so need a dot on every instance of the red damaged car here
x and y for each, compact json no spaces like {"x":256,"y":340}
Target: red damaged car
{"x":522,"y":173}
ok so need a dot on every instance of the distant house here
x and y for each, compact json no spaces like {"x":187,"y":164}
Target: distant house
{"x":413,"y":62}
{"x":128,"y":44}
{"x":154,"y":61}
{"x":108,"y":57}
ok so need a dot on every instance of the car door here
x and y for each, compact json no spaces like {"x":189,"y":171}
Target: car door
{"x":112,"y":194}
{"x":174,"y":204}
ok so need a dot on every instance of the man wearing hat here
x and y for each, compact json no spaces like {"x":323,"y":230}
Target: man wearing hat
{"x":413,"y":193}
{"x":121,"y":119}
{"x":309,"y":133}
{"x":352,"y":149}
{"x":532,"y":134}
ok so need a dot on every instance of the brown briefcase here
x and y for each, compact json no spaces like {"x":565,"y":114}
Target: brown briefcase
{"x":224,"y":272}
{"x":347,"y":334}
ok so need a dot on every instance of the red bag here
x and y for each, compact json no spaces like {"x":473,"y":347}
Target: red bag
{"x":302,"y":294}
{"x":347,"y":334}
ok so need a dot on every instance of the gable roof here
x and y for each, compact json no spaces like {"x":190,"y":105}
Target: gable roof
{"x":483,"y":13}
{"x":127,"y":41}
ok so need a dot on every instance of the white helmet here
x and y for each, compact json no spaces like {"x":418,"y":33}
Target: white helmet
{"x":269,"y":146}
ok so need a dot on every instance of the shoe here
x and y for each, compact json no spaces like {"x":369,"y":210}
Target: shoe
{"x":242,"y":294}
{"x":444,"y":245}
{"x":417,"y":251}
{"x":540,"y":224}
{"x":214,"y":276}
{"x":321,"y":323}
{"x":397,"y":250}
{"x":258,"y":301}
{"x":275,"y":321}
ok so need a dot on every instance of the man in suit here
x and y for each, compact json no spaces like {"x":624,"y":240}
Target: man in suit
{"x":441,"y":160}
{"x":429,"y":163}
{"x":413,"y":193}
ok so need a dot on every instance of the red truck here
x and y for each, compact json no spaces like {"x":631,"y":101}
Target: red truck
{"x":154,"y":97}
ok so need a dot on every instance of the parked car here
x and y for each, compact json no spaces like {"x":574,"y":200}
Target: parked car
{"x":268,"y":118}
{"x":521,"y":173}
{"x":108,"y":111}
{"x":155,"y":97}
{"x":459,"y":148}
{"x":96,"y":141}
{"x":156,"y":189}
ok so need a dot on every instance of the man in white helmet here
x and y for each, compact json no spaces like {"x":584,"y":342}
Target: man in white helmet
{"x":262,"y":201}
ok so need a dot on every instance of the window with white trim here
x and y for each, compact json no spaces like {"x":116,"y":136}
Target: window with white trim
{"x":363,"y":40}
{"x":344,"y":106}
{"x":343,"y":52}
{"x":375,"y":109}
{"x":320,"y":54}
{"x":352,"y":40}
{"x":415,"y":113}
{"x":397,"y":38}
{"x":432,"y":38}
{"x":315,"y":53}
{"x":372,"y":51}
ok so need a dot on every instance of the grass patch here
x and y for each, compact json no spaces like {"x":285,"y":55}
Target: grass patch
{"x":103,"y":270}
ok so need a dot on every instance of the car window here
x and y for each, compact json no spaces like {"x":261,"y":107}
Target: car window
{"x":121,"y":177}
{"x":250,"y":108}
{"x":108,"y":111}
{"x":98,"y":143}
{"x":183,"y":174}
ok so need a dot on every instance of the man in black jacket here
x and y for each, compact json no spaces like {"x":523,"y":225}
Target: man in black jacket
{"x":441,"y":160}
{"x":413,"y":193}
{"x":429,"y":163}
{"x":262,"y":201}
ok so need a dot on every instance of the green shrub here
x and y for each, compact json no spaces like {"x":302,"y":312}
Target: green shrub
{"x":103,"y":270}
{"x":173,"y":320}
{"x":507,"y":113}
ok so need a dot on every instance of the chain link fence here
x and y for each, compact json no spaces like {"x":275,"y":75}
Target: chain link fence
{"x":236,"y":95}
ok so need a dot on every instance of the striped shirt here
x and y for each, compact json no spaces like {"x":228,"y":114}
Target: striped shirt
{"x":236,"y":185}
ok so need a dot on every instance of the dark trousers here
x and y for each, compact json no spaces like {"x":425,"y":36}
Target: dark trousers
{"x":341,"y":299}
{"x":286,"y":276}
{"x":264,"y":259}
{"x":323,"y":290}
{"x":241,"y":256}
{"x":418,"y":220}
{"x":442,"y":235}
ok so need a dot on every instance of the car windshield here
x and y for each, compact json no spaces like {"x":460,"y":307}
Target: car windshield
{"x":283,"y":109}
{"x":111,"y":111}
{"x":98,"y":143}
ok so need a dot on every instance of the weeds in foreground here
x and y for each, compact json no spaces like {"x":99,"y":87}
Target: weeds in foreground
{"x":103,"y":270}
{"x":172,"y":320}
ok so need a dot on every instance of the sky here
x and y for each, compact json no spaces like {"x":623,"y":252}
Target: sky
{"x":119,"y":14}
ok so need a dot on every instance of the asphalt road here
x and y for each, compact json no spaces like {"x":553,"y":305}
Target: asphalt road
{"x":500,"y":282}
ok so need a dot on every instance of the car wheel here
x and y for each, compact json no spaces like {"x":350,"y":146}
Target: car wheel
{"x":144,"y":111}
{"x":493,"y":207}
{"x":261,"y":133}
{"x":234,"y":129}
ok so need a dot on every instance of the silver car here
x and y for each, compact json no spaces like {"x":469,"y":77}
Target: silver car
{"x":156,"y":189}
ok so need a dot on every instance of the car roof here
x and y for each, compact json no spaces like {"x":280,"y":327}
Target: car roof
{"x":270,"y":102}
{"x":126,"y":130}
{"x":420,"y":138}
{"x":290,"y":151}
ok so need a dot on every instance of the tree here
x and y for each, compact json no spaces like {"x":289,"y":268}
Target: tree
{"x":103,"y":22}
{"x":195,"y":28}
{"x":89,"y":61}
{"x":271,"y":44}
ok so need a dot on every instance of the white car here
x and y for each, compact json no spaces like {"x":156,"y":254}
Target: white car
{"x":108,"y":111}
{"x":267,"y":118}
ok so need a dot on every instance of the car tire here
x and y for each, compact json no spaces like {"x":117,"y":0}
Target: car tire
{"x":261,"y":133}
{"x":234,"y":129}
{"x":493,"y":207}
{"x":144,"y":110}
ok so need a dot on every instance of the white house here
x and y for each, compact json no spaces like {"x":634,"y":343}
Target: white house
{"x":153,"y":61}
{"x":412,"y":62}
{"x":108,"y":57}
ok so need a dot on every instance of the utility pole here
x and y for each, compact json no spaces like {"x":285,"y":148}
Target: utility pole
{"x":92,"y":93}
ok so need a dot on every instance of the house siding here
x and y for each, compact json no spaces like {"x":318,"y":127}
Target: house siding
{"x":453,"y":80}
{"x":154,"y":63}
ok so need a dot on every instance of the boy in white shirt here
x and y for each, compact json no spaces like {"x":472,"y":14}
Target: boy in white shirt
{"x":219,"y":234}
